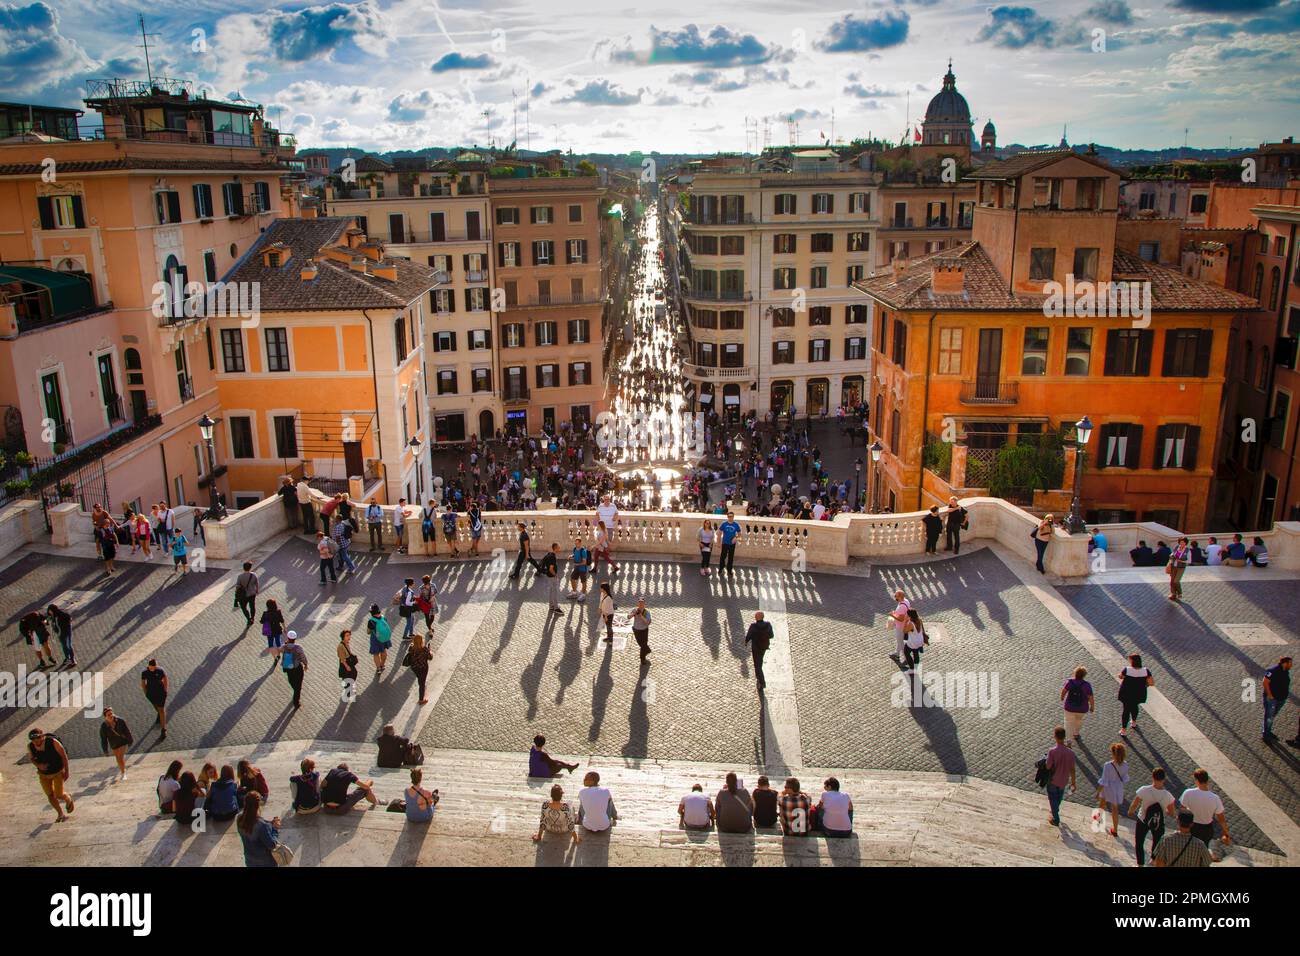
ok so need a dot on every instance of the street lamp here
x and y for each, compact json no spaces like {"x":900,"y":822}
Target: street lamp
{"x":876,"y":449}
{"x":1082,"y":432}
{"x":857,"y":484}
{"x":216,"y":510}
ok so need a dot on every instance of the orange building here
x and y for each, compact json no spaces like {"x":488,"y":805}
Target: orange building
{"x":546,"y":234}
{"x":993,"y":344}
{"x":178,"y":188}
{"x":329,"y":379}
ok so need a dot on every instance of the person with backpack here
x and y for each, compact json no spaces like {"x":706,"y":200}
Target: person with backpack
{"x":293,"y":661}
{"x":581,"y":558}
{"x":428,"y":514}
{"x":449,"y":529}
{"x":475,"y":517}
{"x":247,"y":588}
{"x":325,"y":550}
{"x":404,"y":601}
{"x":180,"y":546}
{"x":51,"y":762}
{"x":381,"y":638}
{"x":1151,"y":805}
{"x":342,"y":535}
{"x":1060,"y":765}
{"x":1078,"y":702}
{"x":1133,"y":683}
{"x":375,"y":525}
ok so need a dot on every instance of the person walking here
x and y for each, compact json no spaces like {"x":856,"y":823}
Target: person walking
{"x":1179,"y":559}
{"x":293,"y":661}
{"x":933,"y":526}
{"x":342,"y":535}
{"x":1151,"y":805}
{"x":706,"y":547}
{"x":641,"y":629}
{"x":141,"y":532}
{"x":1133,"y":683}
{"x":1277,"y":685}
{"x":375,"y":525}
{"x":525,"y":552}
{"x":551,"y":571}
{"x":426,"y":601}
{"x":1061,"y":765}
{"x":153,"y":681}
{"x":273,"y":626}
{"x":900,"y":617}
{"x":1182,"y":849}
{"x":347,"y":660}
{"x":759,"y":638}
{"x":604,"y":545}
{"x":303,"y":491}
{"x":729,"y":530}
{"x":1206,"y":807}
{"x":115,"y":737}
{"x":46,"y":753}
{"x":1078,"y":701}
{"x":106,"y":537}
{"x":381,"y":639}
{"x":475,"y":518}
{"x":955,"y":522}
{"x":325,"y":550}
{"x":404,"y":601}
{"x":417,"y":659}
{"x":247,"y":587}
{"x":1111,"y":783}
{"x":60,"y":624}
{"x":607,"y":610}
{"x":1042,"y":535}
{"x":914,"y":641}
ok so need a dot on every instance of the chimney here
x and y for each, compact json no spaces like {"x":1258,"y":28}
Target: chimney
{"x":308,"y":270}
{"x":385,"y":270}
{"x":900,"y":266}
{"x":948,"y":277}
{"x":358,"y":264}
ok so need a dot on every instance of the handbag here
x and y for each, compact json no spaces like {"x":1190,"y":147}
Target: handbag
{"x":266,"y":629}
{"x":282,"y":854}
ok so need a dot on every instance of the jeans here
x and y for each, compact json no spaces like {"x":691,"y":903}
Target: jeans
{"x":410,"y":625}
{"x":727,"y":558}
{"x":65,"y":640}
{"x":1054,"y":797}
{"x":398,"y":533}
{"x":1041,"y":547}
{"x":1140,"y":839}
{"x":248,"y":606}
{"x":704,"y":559}
{"x":327,"y":564}
{"x":345,"y":559}
{"x":1271,"y":707}
{"x":308,"y":518}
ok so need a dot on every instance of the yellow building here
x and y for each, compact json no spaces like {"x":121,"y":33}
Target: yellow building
{"x":329,"y":379}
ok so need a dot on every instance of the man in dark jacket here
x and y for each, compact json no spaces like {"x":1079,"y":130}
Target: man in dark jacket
{"x":759,"y":638}
{"x":394,"y":750}
{"x":954,"y":521}
{"x":60,"y":622}
{"x":933,"y":525}
{"x":1141,"y":555}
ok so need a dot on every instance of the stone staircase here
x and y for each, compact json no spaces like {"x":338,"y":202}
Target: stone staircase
{"x":489,"y":810}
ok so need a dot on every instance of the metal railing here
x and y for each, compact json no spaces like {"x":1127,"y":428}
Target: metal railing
{"x":720,"y":295}
{"x":988,"y":392}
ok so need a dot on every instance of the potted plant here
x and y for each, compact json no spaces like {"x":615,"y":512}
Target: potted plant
{"x":66,"y":489}
{"x":23,"y":459}
{"x":16,"y":486}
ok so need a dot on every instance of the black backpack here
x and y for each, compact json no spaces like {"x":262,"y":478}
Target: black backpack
{"x":1042,"y":775}
{"x":1154,"y":818}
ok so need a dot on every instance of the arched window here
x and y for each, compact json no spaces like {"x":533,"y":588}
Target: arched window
{"x":132,"y":359}
{"x":1259,"y":281}
{"x":1261,"y":380}
{"x":1274,"y":284}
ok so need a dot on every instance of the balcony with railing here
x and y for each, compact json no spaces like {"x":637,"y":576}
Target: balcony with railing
{"x":113,"y":409}
{"x":989,"y":392}
{"x":719,"y":295}
{"x":559,"y":299}
{"x":711,"y":373}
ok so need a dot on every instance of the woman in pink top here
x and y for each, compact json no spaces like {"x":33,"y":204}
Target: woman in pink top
{"x":140,"y":532}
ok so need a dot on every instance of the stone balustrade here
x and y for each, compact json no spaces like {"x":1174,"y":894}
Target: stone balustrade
{"x":1283,"y":541}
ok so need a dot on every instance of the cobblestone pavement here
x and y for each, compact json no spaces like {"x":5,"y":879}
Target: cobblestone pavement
{"x":522,"y":674}
{"x":1210,"y":678}
{"x":983,"y":623}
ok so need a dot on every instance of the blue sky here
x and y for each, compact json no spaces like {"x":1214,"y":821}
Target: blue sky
{"x":386,"y":74}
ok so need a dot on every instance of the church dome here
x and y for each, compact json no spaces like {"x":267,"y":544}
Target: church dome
{"x":988,"y":128}
{"x":948,"y":106}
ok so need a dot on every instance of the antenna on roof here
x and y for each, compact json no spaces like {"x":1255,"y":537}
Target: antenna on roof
{"x":144,"y":42}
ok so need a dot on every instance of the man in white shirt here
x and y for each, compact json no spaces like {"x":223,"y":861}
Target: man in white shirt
{"x":819,"y":509}
{"x":596,"y":810}
{"x":1151,"y":795}
{"x":303,"y":491}
{"x":1214,"y":552}
{"x":607,"y":511}
{"x":833,"y":814}
{"x":696,"y":810}
{"x":1206,"y":807}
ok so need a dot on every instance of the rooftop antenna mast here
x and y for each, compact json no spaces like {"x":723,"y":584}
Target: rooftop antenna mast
{"x":528,"y":97}
{"x":514,"y":112}
{"x":144,"y":42}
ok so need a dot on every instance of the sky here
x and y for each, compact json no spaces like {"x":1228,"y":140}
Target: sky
{"x":687,"y":77}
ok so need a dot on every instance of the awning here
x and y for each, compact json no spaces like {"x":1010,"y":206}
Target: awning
{"x":706,"y":399}
{"x":69,"y":293}
{"x":731,"y":399}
